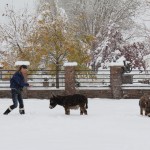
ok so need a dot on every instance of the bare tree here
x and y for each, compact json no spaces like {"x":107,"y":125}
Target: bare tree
{"x":94,"y":15}
{"x":16,"y":32}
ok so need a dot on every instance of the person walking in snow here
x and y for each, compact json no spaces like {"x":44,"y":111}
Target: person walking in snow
{"x":17,"y":82}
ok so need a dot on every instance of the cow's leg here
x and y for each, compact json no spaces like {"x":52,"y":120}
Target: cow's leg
{"x":146,"y":111}
{"x":141,"y":110}
{"x":67,"y":111}
{"x":83,"y":110}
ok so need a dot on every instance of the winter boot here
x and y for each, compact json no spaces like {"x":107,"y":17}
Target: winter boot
{"x":21,"y":111}
{"x":7,"y":111}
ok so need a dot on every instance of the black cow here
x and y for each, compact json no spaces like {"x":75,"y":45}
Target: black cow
{"x":70,"y":102}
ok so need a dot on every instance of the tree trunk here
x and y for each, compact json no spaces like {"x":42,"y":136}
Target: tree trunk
{"x":57,"y":75}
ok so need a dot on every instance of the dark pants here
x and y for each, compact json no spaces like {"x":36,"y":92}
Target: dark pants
{"x":17,"y":98}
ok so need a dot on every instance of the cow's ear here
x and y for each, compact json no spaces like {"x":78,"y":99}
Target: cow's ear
{"x":52,"y":95}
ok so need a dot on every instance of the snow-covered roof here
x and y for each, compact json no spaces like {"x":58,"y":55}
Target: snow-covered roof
{"x":70,"y":64}
{"x":19,"y":63}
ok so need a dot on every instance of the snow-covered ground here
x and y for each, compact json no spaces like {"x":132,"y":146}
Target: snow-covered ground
{"x":109,"y":125}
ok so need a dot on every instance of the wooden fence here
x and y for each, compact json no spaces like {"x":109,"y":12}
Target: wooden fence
{"x":111,"y":83}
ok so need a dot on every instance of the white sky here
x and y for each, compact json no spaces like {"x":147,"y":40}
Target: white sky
{"x":20,"y":4}
{"x":144,"y":18}
{"x":17,"y":4}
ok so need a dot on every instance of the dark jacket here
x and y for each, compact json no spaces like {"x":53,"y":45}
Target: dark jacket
{"x":18,"y":81}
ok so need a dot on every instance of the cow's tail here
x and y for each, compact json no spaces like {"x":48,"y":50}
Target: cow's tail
{"x":86,"y":105}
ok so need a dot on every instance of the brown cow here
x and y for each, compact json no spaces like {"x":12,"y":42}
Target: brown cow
{"x":144,"y":104}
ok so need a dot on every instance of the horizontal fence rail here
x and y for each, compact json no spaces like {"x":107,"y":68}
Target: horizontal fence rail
{"x":48,"y":78}
{"x":140,"y":79}
{"x":36,"y":78}
{"x":83,"y":78}
{"x":88,"y":78}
